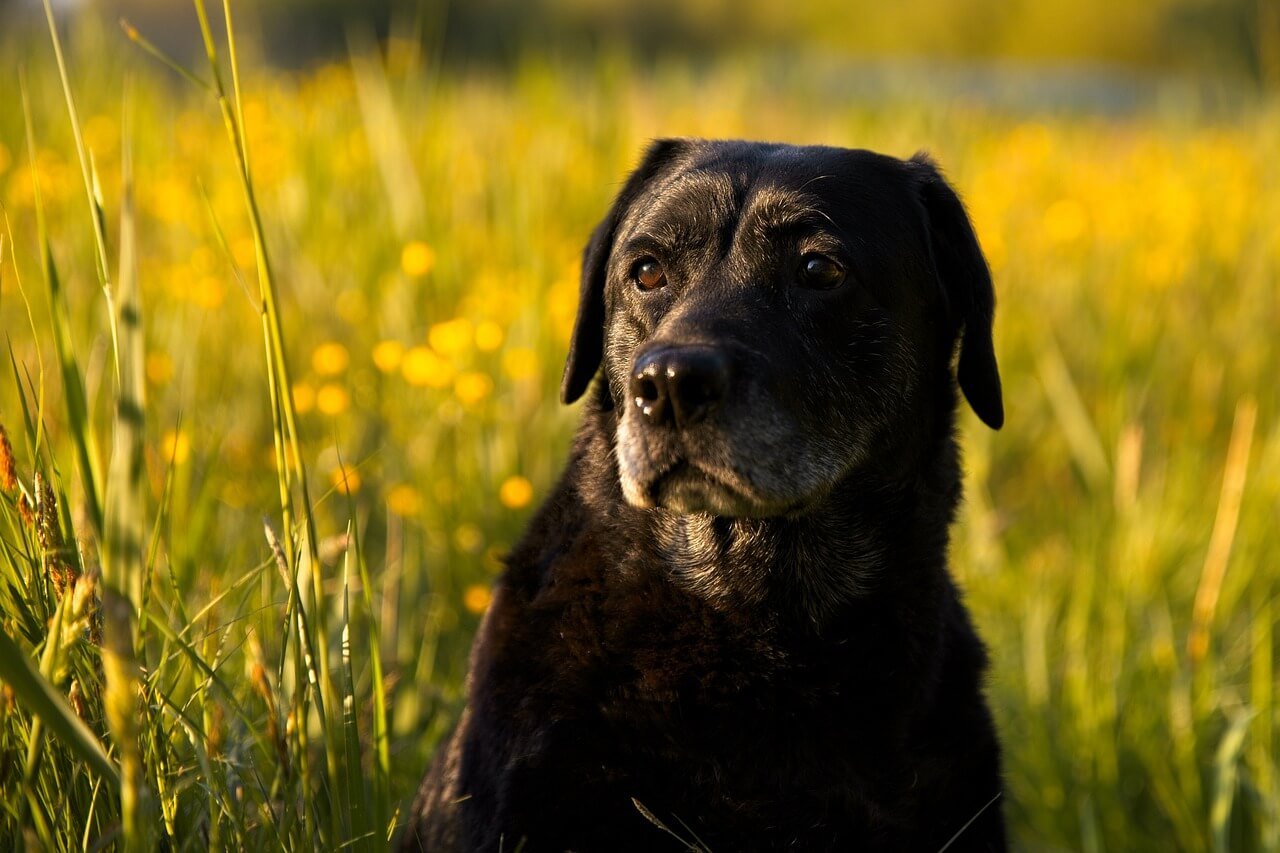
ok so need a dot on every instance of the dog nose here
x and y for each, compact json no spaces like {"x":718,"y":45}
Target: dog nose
{"x":679,"y":385}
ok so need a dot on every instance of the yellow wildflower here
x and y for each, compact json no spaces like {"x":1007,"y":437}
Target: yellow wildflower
{"x":387,"y":356}
{"x":452,"y":337}
{"x":488,"y":336}
{"x":423,"y":366}
{"x":329,"y":359}
{"x":476,"y":598}
{"x":176,"y":446}
{"x":417,"y":258}
{"x":332,"y":399}
{"x":304,"y":398}
{"x":472,"y":386}
{"x":404,"y":500}
{"x":515,"y":492}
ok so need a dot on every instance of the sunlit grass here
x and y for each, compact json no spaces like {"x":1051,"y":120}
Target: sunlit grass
{"x":356,"y":286}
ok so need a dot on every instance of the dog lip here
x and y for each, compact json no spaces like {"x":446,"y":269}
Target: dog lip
{"x":684,"y":467}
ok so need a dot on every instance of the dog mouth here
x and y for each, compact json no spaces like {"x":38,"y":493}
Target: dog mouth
{"x":686,"y":487}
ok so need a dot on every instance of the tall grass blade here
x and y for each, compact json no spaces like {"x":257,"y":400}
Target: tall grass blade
{"x":82,"y":432}
{"x":86,"y":172}
{"x":44,"y":700}
{"x":381,"y":736}
{"x":122,"y":566}
{"x":1226,"y":771}
{"x":1224,"y":529}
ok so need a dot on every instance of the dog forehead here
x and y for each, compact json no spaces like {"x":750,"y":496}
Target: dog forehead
{"x":719,"y":183}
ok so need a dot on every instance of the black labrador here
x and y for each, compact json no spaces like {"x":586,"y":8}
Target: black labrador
{"x":732,"y":622}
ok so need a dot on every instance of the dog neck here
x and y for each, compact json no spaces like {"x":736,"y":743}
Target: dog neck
{"x":878,"y":527}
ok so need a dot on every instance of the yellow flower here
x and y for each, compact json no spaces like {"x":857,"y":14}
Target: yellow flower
{"x":332,"y":399}
{"x":476,"y":598}
{"x":515,"y":492}
{"x":345,"y":479}
{"x":488,"y":336}
{"x":468,"y":538}
{"x":329,"y":359}
{"x":404,"y":500}
{"x":423,"y":366}
{"x":387,"y":356}
{"x":452,"y":337}
{"x":472,"y":387}
{"x":176,"y":446}
{"x":417,"y":258}
{"x":304,"y":398}
{"x":520,"y":363}
{"x":5,"y":159}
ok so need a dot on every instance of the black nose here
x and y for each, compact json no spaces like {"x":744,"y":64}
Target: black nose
{"x":679,"y":385}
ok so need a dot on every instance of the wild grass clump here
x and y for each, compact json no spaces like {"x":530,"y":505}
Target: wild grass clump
{"x":281,"y":356}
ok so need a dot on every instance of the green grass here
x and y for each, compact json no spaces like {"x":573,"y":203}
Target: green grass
{"x":285,"y":346}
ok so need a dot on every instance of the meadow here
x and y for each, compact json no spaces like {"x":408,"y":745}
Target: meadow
{"x":282,"y":355}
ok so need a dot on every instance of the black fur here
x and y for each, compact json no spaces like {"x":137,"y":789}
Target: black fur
{"x":782,"y":661}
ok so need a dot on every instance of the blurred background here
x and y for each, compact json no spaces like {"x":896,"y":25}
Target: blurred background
{"x":425,"y":175}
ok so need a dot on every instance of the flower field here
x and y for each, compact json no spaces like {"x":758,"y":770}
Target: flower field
{"x":255,"y":488}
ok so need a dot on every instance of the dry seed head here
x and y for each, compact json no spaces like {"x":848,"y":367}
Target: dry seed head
{"x":76,"y":698}
{"x":49,"y":536}
{"x":48,"y":531}
{"x":25,"y":511}
{"x":259,"y":678}
{"x":82,"y":598}
{"x":8,"y":466}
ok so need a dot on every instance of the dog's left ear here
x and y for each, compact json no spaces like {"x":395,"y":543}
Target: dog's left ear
{"x":966,"y":285}
{"x":586,"y":346}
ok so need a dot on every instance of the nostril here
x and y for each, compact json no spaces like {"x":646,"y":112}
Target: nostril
{"x":645,"y":390}
{"x":699,"y":380}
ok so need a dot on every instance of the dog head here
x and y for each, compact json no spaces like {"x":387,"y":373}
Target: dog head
{"x":766,"y":315}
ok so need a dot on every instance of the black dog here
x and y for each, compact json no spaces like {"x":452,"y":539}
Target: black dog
{"x":733,"y":616}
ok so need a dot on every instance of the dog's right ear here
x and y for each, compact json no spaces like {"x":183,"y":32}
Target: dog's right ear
{"x":586,"y":346}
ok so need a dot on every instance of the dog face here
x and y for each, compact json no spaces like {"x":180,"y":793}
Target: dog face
{"x":766,"y":315}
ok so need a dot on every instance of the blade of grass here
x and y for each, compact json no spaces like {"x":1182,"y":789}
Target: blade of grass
{"x":381,"y":736}
{"x":1223,"y":536}
{"x":284,"y":418}
{"x":1226,"y":771}
{"x":357,"y":795}
{"x":125,"y":533}
{"x":82,"y":433}
{"x":49,"y":706}
{"x":86,"y":172}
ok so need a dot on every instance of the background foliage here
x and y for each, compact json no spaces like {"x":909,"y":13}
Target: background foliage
{"x":393,"y":302}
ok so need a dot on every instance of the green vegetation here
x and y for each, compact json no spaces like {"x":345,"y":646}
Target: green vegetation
{"x":338,"y":301}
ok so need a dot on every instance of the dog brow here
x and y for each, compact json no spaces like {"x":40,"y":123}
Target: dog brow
{"x":773,"y":211}
{"x":686,"y":211}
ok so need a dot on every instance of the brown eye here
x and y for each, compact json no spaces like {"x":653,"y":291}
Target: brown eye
{"x":649,"y":275}
{"x":820,"y":272}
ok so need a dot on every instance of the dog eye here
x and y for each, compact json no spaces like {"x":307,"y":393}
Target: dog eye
{"x":648,"y":274}
{"x":820,"y":272}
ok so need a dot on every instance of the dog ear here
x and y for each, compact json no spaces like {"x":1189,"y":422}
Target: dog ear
{"x":966,"y":287}
{"x":586,"y":346}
